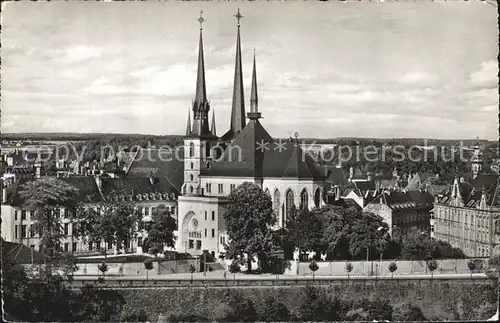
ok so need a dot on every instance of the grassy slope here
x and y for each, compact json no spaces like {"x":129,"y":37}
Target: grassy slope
{"x":437,"y":300}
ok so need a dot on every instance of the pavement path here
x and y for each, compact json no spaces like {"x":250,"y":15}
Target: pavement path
{"x":239,"y":276}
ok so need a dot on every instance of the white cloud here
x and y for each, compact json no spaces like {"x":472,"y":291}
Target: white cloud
{"x":420,"y":79}
{"x":78,"y":53}
{"x":487,"y":76}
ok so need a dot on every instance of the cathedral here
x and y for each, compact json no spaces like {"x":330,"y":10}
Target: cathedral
{"x":214,"y":166}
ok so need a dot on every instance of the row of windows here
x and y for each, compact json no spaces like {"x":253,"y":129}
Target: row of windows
{"x":146,"y":210}
{"x":456,"y":216}
{"x":213,"y":215}
{"x":408,"y":219}
{"x":25,"y":213}
{"x":97,"y":245}
{"x":24,"y":231}
{"x":198,"y":244}
{"x":220,"y":188}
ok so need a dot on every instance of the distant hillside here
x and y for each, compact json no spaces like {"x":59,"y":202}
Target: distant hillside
{"x":75,"y":136}
{"x":339,"y":140}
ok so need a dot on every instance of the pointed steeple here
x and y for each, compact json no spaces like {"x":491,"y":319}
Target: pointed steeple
{"x":201,"y":105}
{"x":213,"y":124}
{"x":188,"y":127}
{"x":254,"y":113}
{"x":201,"y":91}
{"x":238,"y":107}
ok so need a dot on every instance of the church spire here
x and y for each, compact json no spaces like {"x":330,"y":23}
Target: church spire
{"x":201,"y":91}
{"x":238,"y":107}
{"x":188,"y":127}
{"x":201,"y":105}
{"x":213,"y":124}
{"x":254,"y":113}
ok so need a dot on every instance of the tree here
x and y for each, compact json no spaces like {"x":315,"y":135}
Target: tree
{"x":192,"y":269}
{"x":242,"y":309}
{"x":110,"y":221}
{"x":313,"y":266}
{"x":103,"y":268}
{"x":492,"y":270}
{"x":234,"y":268}
{"x":318,"y":307}
{"x":337,"y":225}
{"x":407,"y":312}
{"x":417,"y":245}
{"x":392,"y":268}
{"x":148,"y":265}
{"x":249,"y":219}
{"x":348,"y":268}
{"x":45,"y":295}
{"x":369,"y":232}
{"x":46,"y":196}
{"x":472,"y":266}
{"x":161,"y":231}
{"x":274,"y":311}
{"x":432,"y":265}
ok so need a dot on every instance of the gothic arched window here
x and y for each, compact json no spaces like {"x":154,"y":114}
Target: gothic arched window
{"x":276,"y":203}
{"x":267,"y":192}
{"x":304,"y":199}
{"x":289,"y":203}
{"x":317,"y":197}
{"x":191,"y":150}
{"x":191,"y":177}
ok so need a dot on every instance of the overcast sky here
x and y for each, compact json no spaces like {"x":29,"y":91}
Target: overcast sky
{"x":324,"y":69}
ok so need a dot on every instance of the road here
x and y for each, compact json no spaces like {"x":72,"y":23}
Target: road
{"x":251,"y":281}
{"x":217,"y":275}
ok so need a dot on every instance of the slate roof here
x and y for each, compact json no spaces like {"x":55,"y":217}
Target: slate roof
{"x":358,"y":174}
{"x":335,"y":175}
{"x":20,"y":253}
{"x":138,"y":185}
{"x":471,"y":192}
{"x":419,"y":179}
{"x":245,"y":157}
{"x":399,"y":200}
{"x":86,"y":185}
{"x":159,"y":163}
{"x":347,"y":203}
{"x":365,"y":189}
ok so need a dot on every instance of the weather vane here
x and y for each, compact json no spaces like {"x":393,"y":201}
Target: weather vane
{"x":238,"y":16}
{"x":201,"y":20}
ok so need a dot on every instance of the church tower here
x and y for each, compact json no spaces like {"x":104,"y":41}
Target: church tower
{"x":238,"y":105}
{"x":477,"y":162}
{"x":199,"y":138}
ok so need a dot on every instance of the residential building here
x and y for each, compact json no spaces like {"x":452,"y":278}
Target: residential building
{"x":467,"y":215}
{"x":403,"y":209}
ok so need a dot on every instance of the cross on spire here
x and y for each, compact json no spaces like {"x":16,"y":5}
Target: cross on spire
{"x":201,"y":20}
{"x":238,"y":16}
